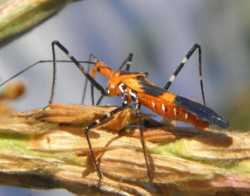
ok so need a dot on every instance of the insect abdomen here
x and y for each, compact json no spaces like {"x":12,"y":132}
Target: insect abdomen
{"x":201,"y":112}
{"x":182,"y":109}
{"x":174,"y":112}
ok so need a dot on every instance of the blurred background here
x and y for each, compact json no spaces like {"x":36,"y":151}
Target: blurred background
{"x":159,"y":33}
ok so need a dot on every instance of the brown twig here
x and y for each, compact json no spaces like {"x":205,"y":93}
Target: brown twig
{"x":47,"y":149}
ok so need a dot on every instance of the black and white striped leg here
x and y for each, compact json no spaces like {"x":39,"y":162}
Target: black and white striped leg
{"x":96,"y":123}
{"x":77,"y":64}
{"x":181,"y":65}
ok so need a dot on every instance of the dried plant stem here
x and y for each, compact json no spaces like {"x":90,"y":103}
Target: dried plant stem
{"x":47,"y":149}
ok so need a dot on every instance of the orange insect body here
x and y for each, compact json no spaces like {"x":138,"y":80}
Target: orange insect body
{"x":157,"y":99}
{"x":103,"y":69}
{"x":164,"y":106}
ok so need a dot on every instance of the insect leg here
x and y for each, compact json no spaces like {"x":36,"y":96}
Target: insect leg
{"x":100,"y":99}
{"x":127,"y":62}
{"x":85,"y":88}
{"x":92,"y":93}
{"x":181,"y":65}
{"x":85,"y":85}
{"x":92,"y":58}
{"x":147,"y":157}
{"x":77,"y":64}
{"x":96,"y":123}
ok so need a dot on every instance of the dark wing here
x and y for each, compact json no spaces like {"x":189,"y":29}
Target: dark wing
{"x":203,"y":112}
{"x":197,"y":109}
{"x":150,"y":88}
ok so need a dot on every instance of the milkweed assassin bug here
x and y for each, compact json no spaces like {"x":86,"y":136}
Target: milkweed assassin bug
{"x":161,"y":101}
{"x":94,"y":83}
{"x":135,"y":87}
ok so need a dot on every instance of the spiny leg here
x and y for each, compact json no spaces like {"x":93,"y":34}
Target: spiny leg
{"x":96,"y":123}
{"x":181,"y":65}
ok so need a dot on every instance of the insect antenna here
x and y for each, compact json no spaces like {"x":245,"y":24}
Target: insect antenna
{"x":33,"y":65}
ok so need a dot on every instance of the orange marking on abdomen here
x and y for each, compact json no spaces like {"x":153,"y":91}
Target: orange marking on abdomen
{"x":165,"y":107}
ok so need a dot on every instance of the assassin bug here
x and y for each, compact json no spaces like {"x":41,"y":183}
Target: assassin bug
{"x":89,"y":77}
{"x":136,"y":87}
